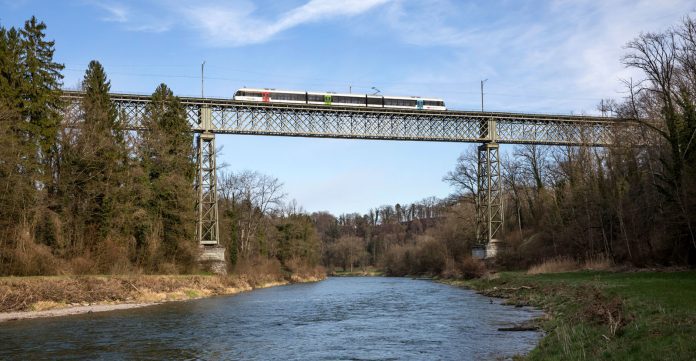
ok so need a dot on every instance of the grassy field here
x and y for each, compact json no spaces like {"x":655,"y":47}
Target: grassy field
{"x":604,"y":315}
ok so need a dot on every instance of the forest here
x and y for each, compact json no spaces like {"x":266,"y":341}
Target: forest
{"x":81,"y":195}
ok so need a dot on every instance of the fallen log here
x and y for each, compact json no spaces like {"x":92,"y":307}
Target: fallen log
{"x":519,"y":328}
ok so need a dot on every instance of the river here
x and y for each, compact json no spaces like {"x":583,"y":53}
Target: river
{"x":350,"y":318}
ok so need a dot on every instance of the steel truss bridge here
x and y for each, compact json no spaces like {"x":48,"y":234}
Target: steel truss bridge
{"x":209,"y":117}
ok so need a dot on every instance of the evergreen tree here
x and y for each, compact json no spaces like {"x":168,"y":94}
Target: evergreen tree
{"x":41,"y":93}
{"x":11,"y":68}
{"x":167,"y":158}
{"x":94,"y":164}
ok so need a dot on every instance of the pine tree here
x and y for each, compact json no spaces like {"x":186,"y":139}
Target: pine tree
{"x":97,"y":106}
{"x":11,"y":68}
{"x":167,"y":157}
{"x":41,"y":93}
{"x":94,"y":163}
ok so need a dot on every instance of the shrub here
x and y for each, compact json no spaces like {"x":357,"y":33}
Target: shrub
{"x":431,"y":256}
{"x":472,"y":268}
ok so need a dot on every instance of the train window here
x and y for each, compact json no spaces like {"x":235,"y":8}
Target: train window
{"x":315,"y":98}
{"x":374,"y":100}
{"x":348,"y":100}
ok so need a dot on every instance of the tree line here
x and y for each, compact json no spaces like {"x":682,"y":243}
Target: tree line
{"x":632,"y":203}
{"x":82,"y":195}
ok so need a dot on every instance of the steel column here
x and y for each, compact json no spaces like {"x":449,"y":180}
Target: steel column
{"x":489,"y":213}
{"x":207,"y":233}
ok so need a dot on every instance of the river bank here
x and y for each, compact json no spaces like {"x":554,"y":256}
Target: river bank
{"x":50,"y":296}
{"x":341,"y":318}
{"x":604,"y":315}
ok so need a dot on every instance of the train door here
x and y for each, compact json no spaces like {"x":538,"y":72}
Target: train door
{"x":419,"y":104}
{"x":327,"y":99}
{"x":265,"y":97}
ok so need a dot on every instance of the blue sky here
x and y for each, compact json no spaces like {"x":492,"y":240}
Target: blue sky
{"x":559,"y":56}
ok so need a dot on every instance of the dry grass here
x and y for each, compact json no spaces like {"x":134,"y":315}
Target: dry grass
{"x":567,"y":264}
{"x":42,"y":293}
{"x":47,"y":305}
{"x":554,"y":265}
{"x":300,"y":271}
{"x":598,"y":263}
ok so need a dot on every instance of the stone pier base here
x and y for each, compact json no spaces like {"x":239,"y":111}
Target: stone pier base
{"x":212,"y":258}
{"x":494,"y":247}
{"x":489,"y":251}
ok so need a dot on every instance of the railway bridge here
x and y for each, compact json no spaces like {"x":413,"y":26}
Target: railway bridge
{"x":209,"y":117}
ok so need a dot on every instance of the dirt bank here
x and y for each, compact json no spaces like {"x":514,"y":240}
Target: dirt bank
{"x":32,"y":297}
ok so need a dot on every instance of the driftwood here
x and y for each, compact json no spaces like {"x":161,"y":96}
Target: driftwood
{"x":519,"y":328}
{"x":513,"y":288}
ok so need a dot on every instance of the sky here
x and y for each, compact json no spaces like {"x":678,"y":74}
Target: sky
{"x":557,"y":56}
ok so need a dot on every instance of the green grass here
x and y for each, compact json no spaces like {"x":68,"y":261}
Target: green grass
{"x":607,"y":316}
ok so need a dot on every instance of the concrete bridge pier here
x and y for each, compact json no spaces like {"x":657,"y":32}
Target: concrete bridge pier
{"x":212,"y":258}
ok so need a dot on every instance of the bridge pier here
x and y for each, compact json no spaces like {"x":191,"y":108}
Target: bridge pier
{"x":489,"y":200}
{"x":207,"y":230}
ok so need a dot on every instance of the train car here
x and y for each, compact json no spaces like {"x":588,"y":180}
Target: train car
{"x":336,"y":99}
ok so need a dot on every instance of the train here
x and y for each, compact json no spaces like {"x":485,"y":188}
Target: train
{"x":335,"y":99}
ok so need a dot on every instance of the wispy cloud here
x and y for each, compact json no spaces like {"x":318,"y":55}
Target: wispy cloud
{"x":226,"y":25}
{"x":563,"y":49}
{"x":115,"y":12}
{"x":138,"y":19}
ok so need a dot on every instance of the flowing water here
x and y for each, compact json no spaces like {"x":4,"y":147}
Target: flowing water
{"x":351,"y":318}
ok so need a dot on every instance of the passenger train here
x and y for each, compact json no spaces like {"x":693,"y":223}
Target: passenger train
{"x":334,"y":99}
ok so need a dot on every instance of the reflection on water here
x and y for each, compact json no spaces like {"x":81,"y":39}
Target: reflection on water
{"x":341,"y":318}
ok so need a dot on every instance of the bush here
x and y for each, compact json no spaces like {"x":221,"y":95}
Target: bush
{"x":259,"y":270}
{"x":431,"y":256}
{"x":472,"y":268}
{"x":452,"y":269}
{"x":399,"y":260}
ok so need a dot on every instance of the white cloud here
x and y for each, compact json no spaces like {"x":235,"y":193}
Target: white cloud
{"x":564,"y":49}
{"x":140,"y":20}
{"x":238,"y":25}
{"x":117,"y":13}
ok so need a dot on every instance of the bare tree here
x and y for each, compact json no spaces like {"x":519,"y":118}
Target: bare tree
{"x":255,"y":195}
{"x":464,"y":178}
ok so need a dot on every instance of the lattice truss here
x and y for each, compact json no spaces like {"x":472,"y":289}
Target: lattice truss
{"x":337,"y":123}
{"x":222,"y":116}
{"x":205,"y":185}
{"x":489,"y":205}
